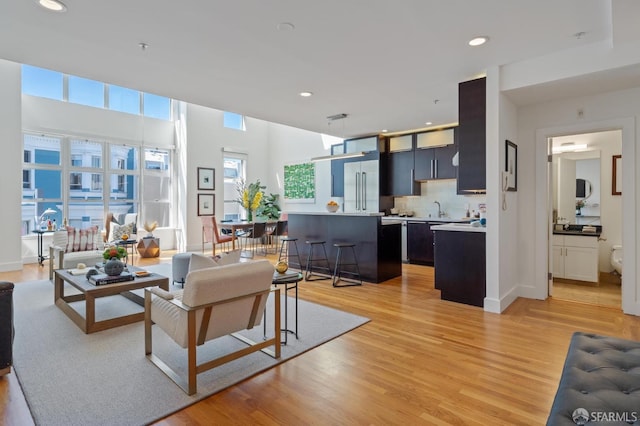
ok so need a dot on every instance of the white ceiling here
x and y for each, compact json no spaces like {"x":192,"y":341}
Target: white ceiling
{"x":387,"y":64}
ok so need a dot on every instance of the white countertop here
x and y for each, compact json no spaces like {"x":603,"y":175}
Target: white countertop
{"x":426,"y":219}
{"x":464,"y":227}
{"x":338,"y":213}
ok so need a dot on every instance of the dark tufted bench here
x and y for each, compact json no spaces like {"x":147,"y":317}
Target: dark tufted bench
{"x":601,"y":375}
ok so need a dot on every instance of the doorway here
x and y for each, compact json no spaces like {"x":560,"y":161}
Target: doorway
{"x":583,"y":193}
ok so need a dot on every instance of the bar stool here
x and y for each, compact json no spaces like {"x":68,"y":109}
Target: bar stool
{"x":320,"y":257}
{"x":285,"y":247}
{"x":338,"y":271}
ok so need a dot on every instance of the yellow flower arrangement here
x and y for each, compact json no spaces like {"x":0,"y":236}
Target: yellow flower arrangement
{"x":250,"y":195}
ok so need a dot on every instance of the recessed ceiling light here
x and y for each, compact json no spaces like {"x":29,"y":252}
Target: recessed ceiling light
{"x":306,"y":94}
{"x":478,"y":41}
{"x":285,"y":26}
{"x":428,"y":123}
{"x":54,"y":5}
{"x":384,"y":130}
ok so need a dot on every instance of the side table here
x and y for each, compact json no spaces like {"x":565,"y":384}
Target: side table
{"x":40,"y":233}
{"x":129,"y":245}
{"x":149,"y":247}
{"x":290,"y":281}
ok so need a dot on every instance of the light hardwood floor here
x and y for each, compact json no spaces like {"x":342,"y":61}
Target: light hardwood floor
{"x":419,"y":361}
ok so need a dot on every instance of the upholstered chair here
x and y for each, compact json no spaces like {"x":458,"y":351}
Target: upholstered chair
{"x":216,"y":301}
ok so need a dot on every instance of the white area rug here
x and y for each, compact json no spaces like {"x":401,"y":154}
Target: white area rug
{"x":70,"y":378}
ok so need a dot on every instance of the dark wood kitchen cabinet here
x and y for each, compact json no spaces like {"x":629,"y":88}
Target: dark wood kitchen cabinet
{"x":460,"y":266}
{"x":472,"y":99}
{"x":337,"y":178}
{"x":420,"y":243}
{"x":435,"y":163}
{"x":400,"y":167}
{"x":434,"y":151}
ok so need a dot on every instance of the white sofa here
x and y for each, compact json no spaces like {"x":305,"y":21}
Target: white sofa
{"x":86,"y":247}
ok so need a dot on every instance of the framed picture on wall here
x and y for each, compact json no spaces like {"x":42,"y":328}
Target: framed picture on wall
{"x":511,"y":167}
{"x":206,"y":204}
{"x":206,"y":178}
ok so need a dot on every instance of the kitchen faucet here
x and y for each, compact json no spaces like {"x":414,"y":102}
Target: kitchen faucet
{"x":440,"y":212}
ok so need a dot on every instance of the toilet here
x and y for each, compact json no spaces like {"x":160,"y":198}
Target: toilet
{"x":616,"y":258}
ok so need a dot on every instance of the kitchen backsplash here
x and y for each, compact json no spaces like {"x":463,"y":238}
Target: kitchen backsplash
{"x":444,"y":192}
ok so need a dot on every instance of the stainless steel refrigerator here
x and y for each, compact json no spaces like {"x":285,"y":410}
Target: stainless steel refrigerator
{"x":362,"y":187}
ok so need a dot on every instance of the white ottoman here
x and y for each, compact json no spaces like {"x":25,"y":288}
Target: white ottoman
{"x":180,"y":267}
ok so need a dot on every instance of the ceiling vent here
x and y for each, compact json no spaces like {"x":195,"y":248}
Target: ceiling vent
{"x":337,"y":117}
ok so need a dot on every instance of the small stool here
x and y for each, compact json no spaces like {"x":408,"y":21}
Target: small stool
{"x":180,"y":267}
{"x":322,"y":257}
{"x":355,"y":278}
{"x":285,"y":247}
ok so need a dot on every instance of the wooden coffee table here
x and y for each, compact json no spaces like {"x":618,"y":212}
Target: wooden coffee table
{"x":89,"y":293}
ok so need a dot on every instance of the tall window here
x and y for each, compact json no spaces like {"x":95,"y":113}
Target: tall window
{"x":78,"y":187}
{"x":234,"y":171}
{"x":82,"y":179}
{"x":42,"y":163}
{"x":156,"y":185}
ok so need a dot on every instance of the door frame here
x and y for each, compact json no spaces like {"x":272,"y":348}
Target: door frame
{"x":630,"y":287}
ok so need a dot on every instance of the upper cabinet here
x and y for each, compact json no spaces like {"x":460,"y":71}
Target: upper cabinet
{"x":433,"y":155}
{"x":370,"y":145}
{"x":472,"y":98}
{"x":400,"y":166}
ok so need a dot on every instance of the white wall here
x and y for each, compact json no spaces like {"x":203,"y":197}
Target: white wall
{"x":10,"y":165}
{"x":503,"y":230}
{"x":205,"y":138}
{"x":48,"y":115}
{"x":608,"y":111}
{"x":290,"y":145}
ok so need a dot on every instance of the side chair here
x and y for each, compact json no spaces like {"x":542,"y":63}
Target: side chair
{"x":211,"y":234}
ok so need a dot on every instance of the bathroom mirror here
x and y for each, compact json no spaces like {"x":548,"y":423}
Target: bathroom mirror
{"x":577,"y":187}
{"x":584,"y":188}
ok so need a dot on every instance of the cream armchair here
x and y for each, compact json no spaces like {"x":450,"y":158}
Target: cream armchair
{"x":73,"y":246}
{"x":215,"y":302}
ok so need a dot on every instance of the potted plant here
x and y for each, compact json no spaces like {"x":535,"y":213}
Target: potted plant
{"x":112,"y":255}
{"x":269,"y":208}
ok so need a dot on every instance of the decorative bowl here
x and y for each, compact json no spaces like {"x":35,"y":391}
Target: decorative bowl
{"x":333,"y":207}
{"x":282,"y":267}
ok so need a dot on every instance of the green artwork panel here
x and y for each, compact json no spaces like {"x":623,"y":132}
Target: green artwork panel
{"x":300,"y":181}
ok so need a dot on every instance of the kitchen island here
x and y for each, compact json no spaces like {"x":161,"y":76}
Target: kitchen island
{"x":460,"y":263}
{"x":377,"y":244}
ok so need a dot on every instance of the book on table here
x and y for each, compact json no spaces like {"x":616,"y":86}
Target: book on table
{"x":285,"y":275}
{"x":102,"y":279}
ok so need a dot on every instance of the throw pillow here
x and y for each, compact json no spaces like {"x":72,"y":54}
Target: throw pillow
{"x":228,"y":258}
{"x":199,"y":261}
{"x":119,"y":230}
{"x":71,"y":235}
{"x":87,"y":238}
